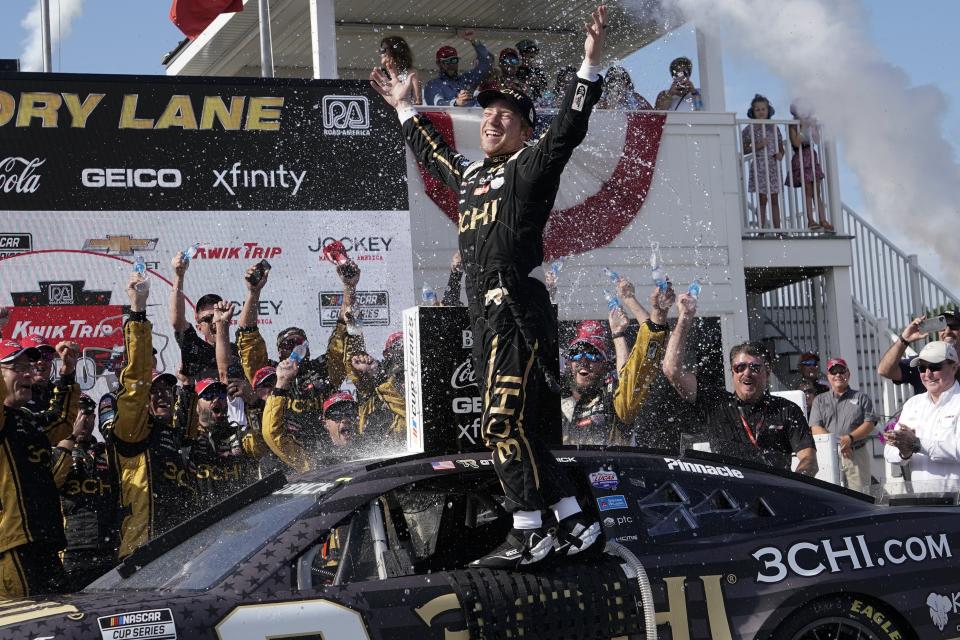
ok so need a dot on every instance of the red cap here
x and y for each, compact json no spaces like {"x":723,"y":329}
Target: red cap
{"x":262,"y":375}
{"x":597,"y":343}
{"x":36,"y":341}
{"x":832,"y":362}
{"x":206,"y":383}
{"x":163,"y":376}
{"x":392,"y":339}
{"x":340,"y":396}
{"x":592,"y":329}
{"x":10,"y":350}
{"x":446,"y":51}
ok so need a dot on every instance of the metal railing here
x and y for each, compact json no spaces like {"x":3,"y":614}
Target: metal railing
{"x":798,"y":311}
{"x":874,"y":336}
{"x":785,"y":186}
{"x":887,"y":282}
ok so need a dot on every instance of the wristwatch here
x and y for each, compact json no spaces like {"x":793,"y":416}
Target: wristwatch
{"x":916,"y":446}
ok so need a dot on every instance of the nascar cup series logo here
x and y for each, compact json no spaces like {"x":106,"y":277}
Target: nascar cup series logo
{"x":346,"y":116}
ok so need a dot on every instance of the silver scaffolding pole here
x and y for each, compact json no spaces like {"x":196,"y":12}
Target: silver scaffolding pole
{"x":266,"y":41}
{"x":45,"y":36}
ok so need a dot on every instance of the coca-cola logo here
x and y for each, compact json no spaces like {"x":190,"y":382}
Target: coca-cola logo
{"x":463,"y":377}
{"x":17,"y":174}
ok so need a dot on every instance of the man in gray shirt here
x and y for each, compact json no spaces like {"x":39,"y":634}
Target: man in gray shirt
{"x":848,"y":413}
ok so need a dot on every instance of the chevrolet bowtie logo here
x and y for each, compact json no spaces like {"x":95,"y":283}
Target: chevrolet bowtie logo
{"x":120,"y":245}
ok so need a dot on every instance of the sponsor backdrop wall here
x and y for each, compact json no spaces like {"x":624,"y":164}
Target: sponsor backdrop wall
{"x":98,"y":170}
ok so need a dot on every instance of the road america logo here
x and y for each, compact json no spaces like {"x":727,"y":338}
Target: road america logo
{"x":346,"y":116}
{"x":19,"y":174}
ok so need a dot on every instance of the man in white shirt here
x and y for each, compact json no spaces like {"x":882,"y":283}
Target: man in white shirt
{"x":927,"y":438}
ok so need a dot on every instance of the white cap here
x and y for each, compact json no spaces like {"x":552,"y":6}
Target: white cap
{"x":934,"y":352}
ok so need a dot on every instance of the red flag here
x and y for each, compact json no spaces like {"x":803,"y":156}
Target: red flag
{"x":193,"y":16}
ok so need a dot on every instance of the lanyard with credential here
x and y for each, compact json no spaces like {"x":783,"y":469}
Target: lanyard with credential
{"x":746,"y":427}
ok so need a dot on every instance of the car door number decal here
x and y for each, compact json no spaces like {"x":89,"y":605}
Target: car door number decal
{"x":289,"y":619}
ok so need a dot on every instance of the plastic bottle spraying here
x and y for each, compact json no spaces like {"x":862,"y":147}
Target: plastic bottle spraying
{"x":613,"y":275}
{"x":557,"y":265}
{"x":300,"y":352}
{"x":613,"y":302}
{"x":656,"y":273}
{"x":694,"y":289}
{"x":428,"y":295}
{"x":191,"y":251}
{"x":140,"y":268}
{"x":354,"y":323}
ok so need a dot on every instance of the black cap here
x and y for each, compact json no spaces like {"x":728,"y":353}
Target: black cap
{"x":520,"y":101}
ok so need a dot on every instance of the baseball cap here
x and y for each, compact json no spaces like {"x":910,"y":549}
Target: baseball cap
{"x":208,"y":383}
{"x":527,"y":45}
{"x":446,"y":51}
{"x":833,"y":362}
{"x":263,"y":375}
{"x":392,"y":339}
{"x":518,"y":99}
{"x":163,"y":376}
{"x":952,"y":316}
{"x":36,"y":341}
{"x":809,"y":355}
{"x":933,"y":352}
{"x":591,"y":329}
{"x":338,"y":398}
{"x":10,"y":350}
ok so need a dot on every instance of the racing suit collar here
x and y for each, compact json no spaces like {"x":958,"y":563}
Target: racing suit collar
{"x":494,"y":160}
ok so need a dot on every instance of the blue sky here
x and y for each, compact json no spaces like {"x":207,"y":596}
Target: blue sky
{"x":131,"y":36}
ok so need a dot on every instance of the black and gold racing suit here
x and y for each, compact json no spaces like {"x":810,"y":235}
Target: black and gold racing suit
{"x":158,"y":489}
{"x":316,"y":379}
{"x":505,"y":202}
{"x":31,"y":524}
{"x":90,"y":497}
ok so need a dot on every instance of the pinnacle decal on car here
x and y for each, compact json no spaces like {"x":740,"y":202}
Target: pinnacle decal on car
{"x":707,"y":469}
{"x":808,"y":559}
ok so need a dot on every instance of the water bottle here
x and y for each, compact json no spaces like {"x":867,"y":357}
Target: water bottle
{"x":140,"y":268}
{"x":557,"y":265}
{"x":300,"y":352}
{"x":612,"y":275}
{"x":656,"y":273}
{"x":429,"y":296}
{"x":354,"y":323}
{"x":612,"y":301}
{"x":191,"y":251}
{"x":694,"y":289}
{"x":697,"y":100}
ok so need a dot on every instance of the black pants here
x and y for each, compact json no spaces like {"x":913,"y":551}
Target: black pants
{"x":515,"y":339}
{"x":30,"y":570}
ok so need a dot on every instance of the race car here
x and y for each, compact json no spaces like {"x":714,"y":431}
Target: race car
{"x":380,"y":550}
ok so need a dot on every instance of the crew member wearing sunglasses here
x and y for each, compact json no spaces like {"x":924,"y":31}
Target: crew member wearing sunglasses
{"x":452,"y":88}
{"x":748,"y":423}
{"x":927,"y":438}
{"x":894,"y":367}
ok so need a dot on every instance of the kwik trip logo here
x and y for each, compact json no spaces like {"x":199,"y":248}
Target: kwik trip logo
{"x":346,"y":116}
{"x":19,"y":175}
{"x":236,"y":179}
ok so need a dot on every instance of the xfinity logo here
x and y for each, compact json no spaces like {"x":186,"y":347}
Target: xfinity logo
{"x":126,"y":178}
{"x":17,"y":174}
{"x":346,"y":116}
{"x":236,"y":178}
{"x":696,"y":467}
{"x":463,"y":376}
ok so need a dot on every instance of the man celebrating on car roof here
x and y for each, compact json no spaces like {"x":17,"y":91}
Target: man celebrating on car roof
{"x":749,"y":423}
{"x":505,"y":201}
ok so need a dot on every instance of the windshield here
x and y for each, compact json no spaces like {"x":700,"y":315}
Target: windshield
{"x":208,"y":556}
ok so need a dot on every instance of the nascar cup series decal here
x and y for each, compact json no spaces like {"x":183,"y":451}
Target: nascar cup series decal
{"x":850,"y":553}
{"x":156,"y":624}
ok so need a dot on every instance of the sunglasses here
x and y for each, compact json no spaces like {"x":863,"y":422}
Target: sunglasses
{"x":341,"y":416}
{"x":21,"y":367}
{"x":838,"y":371}
{"x":755,"y":367}
{"x":450,"y":60}
{"x":291,"y":343}
{"x":809,"y":363}
{"x":213,"y":394}
{"x":923,"y":367}
{"x":510,"y":61}
{"x":591,"y":356}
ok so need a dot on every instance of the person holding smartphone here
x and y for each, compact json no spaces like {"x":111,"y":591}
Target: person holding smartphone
{"x":894,"y":367}
{"x":681,"y":95}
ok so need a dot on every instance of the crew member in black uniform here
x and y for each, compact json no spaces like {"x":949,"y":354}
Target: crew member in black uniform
{"x":505,"y":201}
{"x":90,"y":497}
{"x":31,"y":526}
{"x":158,"y":487}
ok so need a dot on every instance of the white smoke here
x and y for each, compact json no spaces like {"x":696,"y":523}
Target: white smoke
{"x":891,"y":132}
{"x":62,"y":15}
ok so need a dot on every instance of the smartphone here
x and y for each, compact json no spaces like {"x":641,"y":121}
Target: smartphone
{"x":933,"y":325}
{"x":259,"y":271}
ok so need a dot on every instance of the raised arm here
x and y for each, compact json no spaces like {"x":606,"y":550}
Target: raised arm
{"x":628,"y":295}
{"x":133,"y":399}
{"x":640,"y":368}
{"x":178,"y":313}
{"x":57,"y":420}
{"x":275,"y":433}
{"x":683,"y":381}
{"x":889,"y":365}
{"x":250,"y":344}
{"x":223,"y":314}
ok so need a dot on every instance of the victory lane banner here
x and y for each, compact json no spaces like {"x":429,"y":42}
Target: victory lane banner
{"x":102,"y":142}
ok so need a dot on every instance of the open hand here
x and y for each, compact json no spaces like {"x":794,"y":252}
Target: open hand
{"x":596,"y":35}
{"x":395,"y":91}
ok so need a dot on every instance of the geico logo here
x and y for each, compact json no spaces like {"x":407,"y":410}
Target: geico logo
{"x":217,"y":472}
{"x":299,"y":406}
{"x":143,"y":178}
{"x":89,"y":486}
{"x":696,"y":467}
{"x":467,"y":405}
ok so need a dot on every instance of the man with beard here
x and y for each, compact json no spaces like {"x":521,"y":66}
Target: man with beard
{"x":225,"y":459}
{"x":89,"y":498}
{"x":31,"y":526}
{"x":505,"y":202}
{"x":452,"y":88}
{"x":157,"y":486}
{"x":749,"y":423}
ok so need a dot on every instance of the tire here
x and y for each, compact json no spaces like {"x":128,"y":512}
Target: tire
{"x":844,"y":617}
